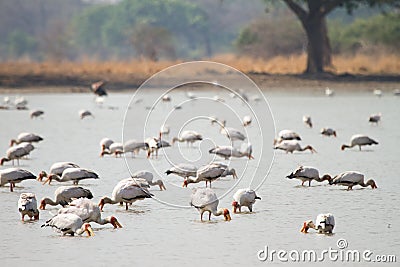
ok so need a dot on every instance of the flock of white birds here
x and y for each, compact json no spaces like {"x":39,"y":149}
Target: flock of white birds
{"x":78,"y":210}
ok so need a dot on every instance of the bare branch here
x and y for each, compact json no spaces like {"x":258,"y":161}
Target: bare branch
{"x":297,"y":9}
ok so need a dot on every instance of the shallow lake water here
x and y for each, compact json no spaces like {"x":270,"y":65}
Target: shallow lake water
{"x":166,"y":230}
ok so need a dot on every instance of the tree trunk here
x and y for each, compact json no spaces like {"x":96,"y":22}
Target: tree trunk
{"x":318,"y":48}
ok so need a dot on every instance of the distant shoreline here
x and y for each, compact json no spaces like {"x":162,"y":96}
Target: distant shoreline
{"x":266,"y":82}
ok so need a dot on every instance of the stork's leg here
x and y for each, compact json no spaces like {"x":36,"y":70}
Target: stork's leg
{"x":23,"y":219}
{"x":210,"y":184}
{"x":250,"y":208}
{"x":11,"y":187}
{"x":201,"y":215}
{"x":126,"y":206}
{"x":309,"y":182}
{"x":302,"y":183}
{"x":359,"y":147}
{"x":209,"y":215}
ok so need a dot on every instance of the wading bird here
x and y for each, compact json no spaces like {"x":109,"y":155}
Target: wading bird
{"x":13,"y":176}
{"x":148,"y":176}
{"x":287,"y":135}
{"x":328,"y":132}
{"x":307,"y":121}
{"x":69,"y":224}
{"x":27,"y":205}
{"x":126,"y":191}
{"x":98,"y":88}
{"x":293,"y":145}
{"x":232,"y":133}
{"x":89,"y":212}
{"x":205,"y":199}
{"x":227,"y":152}
{"x":360,"y":140}
{"x":184,"y":170}
{"x":57,"y":169}
{"x":324,"y":224}
{"x":188,"y":136}
{"x":14,"y":153}
{"x":207,"y":173}
{"x":375,"y":118}
{"x":64,"y":195}
{"x":85,"y":113}
{"x":244,"y":198}
{"x":352,"y":178}
{"x":72,"y":174}
{"x":26,"y":137}
{"x":36,"y":113}
{"x":307,"y":174}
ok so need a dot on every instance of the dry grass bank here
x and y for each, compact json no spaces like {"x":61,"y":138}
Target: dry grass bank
{"x":128,"y":74}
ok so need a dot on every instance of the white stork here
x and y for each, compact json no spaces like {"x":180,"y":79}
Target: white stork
{"x":207,"y":173}
{"x":72,"y":174}
{"x":64,"y":195}
{"x":293,"y":145}
{"x":244,"y":198}
{"x":57,"y":169}
{"x":352,"y":178}
{"x":324,"y":224}
{"x":36,"y":113}
{"x":69,"y":224}
{"x":184,"y":170}
{"x":205,"y":199}
{"x":89,"y":212}
{"x":26,"y":137}
{"x":126,"y":191}
{"x":227,"y":152}
{"x":360,"y":140}
{"x":13,"y":176}
{"x":148,"y":176}
{"x":14,"y":153}
{"x":287,"y":135}
{"x":188,"y":136}
{"x":306,"y":173}
{"x":27,"y":205}
{"x":85,"y":113}
{"x":232,"y":133}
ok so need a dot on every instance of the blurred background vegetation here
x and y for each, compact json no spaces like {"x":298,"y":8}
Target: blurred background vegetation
{"x":76,"y":30}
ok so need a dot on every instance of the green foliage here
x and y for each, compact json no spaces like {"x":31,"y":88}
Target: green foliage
{"x":104,"y":27}
{"x":380,"y":30}
{"x":20,"y":43}
{"x":268,"y":38}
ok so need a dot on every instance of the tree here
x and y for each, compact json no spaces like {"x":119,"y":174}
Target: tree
{"x":312,"y":15}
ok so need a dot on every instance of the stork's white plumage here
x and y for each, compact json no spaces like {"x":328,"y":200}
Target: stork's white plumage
{"x":328,"y":132}
{"x":205,"y":199}
{"x":89,"y":212}
{"x":247,"y":120}
{"x":27,"y":205}
{"x":329,"y":92}
{"x":115,"y":149}
{"x":352,"y":178}
{"x":26,"y":137}
{"x":126,"y":191}
{"x":287,"y":135}
{"x":133,"y":146}
{"x":72,"y":174}
{"x":307,"y":120}
{"x":307,"y":174}
{"x":166,"y":98}
{"x":153,"y":144}
{"x":106,"y":143}
{"x":148,"y":176}
{"x":207,"y":173}
{"x":69,"y":224}
{"x":184,"y":170}
{"x":14,"y":153}
{"x":13,"y":176}
{"x":293,"y":145}
{"x":324,"y":224}
{"x":165,"y":129}
{"x":232,"y":133}
{"x":227,"y":152}
{"x":244,"y":198}
{"x":57,"y":168}
{"x":64,"y":195}
{"x":188,"y":136}
{"x":360,"y":140}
